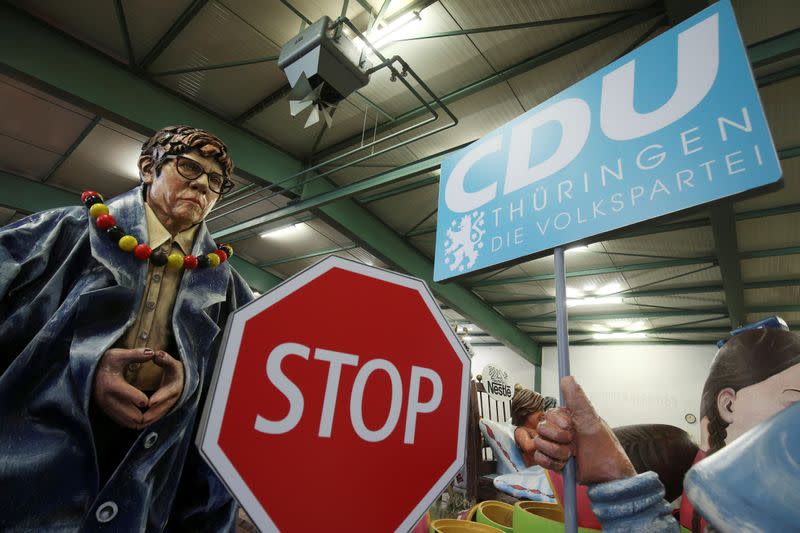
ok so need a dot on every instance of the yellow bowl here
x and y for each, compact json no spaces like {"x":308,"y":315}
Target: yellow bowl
{"x":449,"y":525}
{"x":496,"y":514}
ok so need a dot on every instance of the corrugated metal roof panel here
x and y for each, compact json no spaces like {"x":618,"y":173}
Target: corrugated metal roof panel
{"x":768,"y":232}
{"x":218,"y":35}
{"x":791,"y":317}
{"x":92,"y":21}
{"x":789,"y":295}
{"x":783,"y":113}
{"x":149,"y":20}
{"x":545,"y":81}
{"x":761,"y":20}
{"x":769,"y":268}
{"x":478,"y":114}
{"x":277,"y":126}
{"x":789,"y":194}
{"x":106,"y":161}
{"x":443,"y":64}
{"x":25,"y":159}
{"x":692,"y":242}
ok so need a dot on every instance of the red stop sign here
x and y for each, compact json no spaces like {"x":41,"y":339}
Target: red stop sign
{"x":340,"y":403}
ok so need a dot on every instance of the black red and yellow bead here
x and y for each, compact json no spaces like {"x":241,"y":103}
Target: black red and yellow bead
{"x":128,"y":243}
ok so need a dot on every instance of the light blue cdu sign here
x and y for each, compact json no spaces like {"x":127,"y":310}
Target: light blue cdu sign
{"x":674,"y":124}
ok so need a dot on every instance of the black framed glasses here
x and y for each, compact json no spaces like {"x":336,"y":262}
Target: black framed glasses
{"x":191,"y":170}
{"x":773,"y":322}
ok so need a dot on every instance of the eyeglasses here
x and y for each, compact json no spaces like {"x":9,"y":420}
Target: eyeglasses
{"x":192,"y":170}
{"x":773,"y":322}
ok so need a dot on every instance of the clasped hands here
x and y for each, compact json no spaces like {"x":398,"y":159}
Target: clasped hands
{"x":125,"y":404}
{"x":577,"y":430}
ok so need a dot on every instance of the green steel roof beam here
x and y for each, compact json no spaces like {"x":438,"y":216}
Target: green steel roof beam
{"x":628,"y":314}
{"x":587,"y":39}
{"x":333,"y":194}
{"x":308,"y":255}
{"x":32,"y":196}
{"x":229,"y":64}
{"x":257,"y":278}
{"x":86,"y":131}
{"x":631,"y":293}
{"x":775,"y":77}
{"x":399,"y":190}
{"x":670,"y":263}
{"x":177,"y":27}
{"x":34,"y":51}
{"x":381,"y":240}
{"x":723,"y":227}
{"x":787,"y":153}
{"x":520,"y":26}
{"x":123,"y":28}
{"x":775,"y":48}
{"x":753,"y":254}
{"x":651,"y":293}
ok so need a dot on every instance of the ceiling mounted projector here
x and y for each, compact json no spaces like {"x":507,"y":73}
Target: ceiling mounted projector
{"x":323,"y":67}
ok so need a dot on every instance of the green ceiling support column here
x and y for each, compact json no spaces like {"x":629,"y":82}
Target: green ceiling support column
{"x":258,"y":279}
{"x":385,"y":243}
{"x":331,"y":194}
{"x":723,"y":225}
{"x":36,"y":53}
{"x":537,"y":376}
{"x":31,"y":196}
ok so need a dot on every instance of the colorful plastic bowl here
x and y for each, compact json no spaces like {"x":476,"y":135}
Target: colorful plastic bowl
{"x":496,"y":514}
{"x":450,"y":525}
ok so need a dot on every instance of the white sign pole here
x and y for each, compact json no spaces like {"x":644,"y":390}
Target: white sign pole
{"x":562,"y":342}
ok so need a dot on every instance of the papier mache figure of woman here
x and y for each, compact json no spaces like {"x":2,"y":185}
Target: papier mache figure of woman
{"x":754,"y":376}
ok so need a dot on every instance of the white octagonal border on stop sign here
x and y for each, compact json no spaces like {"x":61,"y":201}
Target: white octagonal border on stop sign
{"x":211,"y":421}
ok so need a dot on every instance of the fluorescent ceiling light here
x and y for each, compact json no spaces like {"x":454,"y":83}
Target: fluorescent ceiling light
{"x":399,"y":28}
{"x":636,"y":326}
{"x":578,"y":249}
{"x":574,"y":293}
{"x":619,"y":323}
{"x":594,"y":300}
{"x":589,"y":287}
{"x":467,"y":338}
{"x":601,"y":328}
{"x":619,"y":335}
{"x":283,"y":231}
{"x":609,"y":288}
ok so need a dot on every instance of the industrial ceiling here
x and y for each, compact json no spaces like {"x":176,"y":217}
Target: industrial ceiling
{"x":83,"y":83}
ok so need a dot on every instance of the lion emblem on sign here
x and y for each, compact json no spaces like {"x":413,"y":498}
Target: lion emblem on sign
{"x":463,"y":241}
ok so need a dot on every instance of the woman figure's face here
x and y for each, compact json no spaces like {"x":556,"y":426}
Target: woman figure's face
{"x":533,"y":420}
{"x":749,"y":406}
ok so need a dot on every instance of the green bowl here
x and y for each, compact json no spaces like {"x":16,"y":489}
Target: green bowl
{"x":540,"y":517}
{"x":496,"y":514}
{"x":449,"y":525}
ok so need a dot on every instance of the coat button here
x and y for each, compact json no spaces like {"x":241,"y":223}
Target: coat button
{"x":106,"y":512}
{"x":150,"y":439}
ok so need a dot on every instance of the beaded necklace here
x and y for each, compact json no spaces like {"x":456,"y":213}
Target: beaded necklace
{"x":128,"y":243}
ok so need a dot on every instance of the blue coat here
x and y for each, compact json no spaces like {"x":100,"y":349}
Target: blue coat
{"x":67,"y":294}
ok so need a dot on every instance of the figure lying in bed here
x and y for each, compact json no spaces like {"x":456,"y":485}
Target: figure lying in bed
{"x":664,"y":449}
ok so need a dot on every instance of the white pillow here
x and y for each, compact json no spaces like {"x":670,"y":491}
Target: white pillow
{"x":531,"y":483}
{"x":500,"y":437}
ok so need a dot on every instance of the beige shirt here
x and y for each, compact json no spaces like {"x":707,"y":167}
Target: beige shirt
{"x":153,"y":325}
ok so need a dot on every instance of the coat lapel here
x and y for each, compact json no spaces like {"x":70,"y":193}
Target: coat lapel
{"x":194,"y":329}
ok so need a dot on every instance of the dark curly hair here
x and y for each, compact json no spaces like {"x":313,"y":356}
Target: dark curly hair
{"x":176,"y":140}
{"x":746,"y":359}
